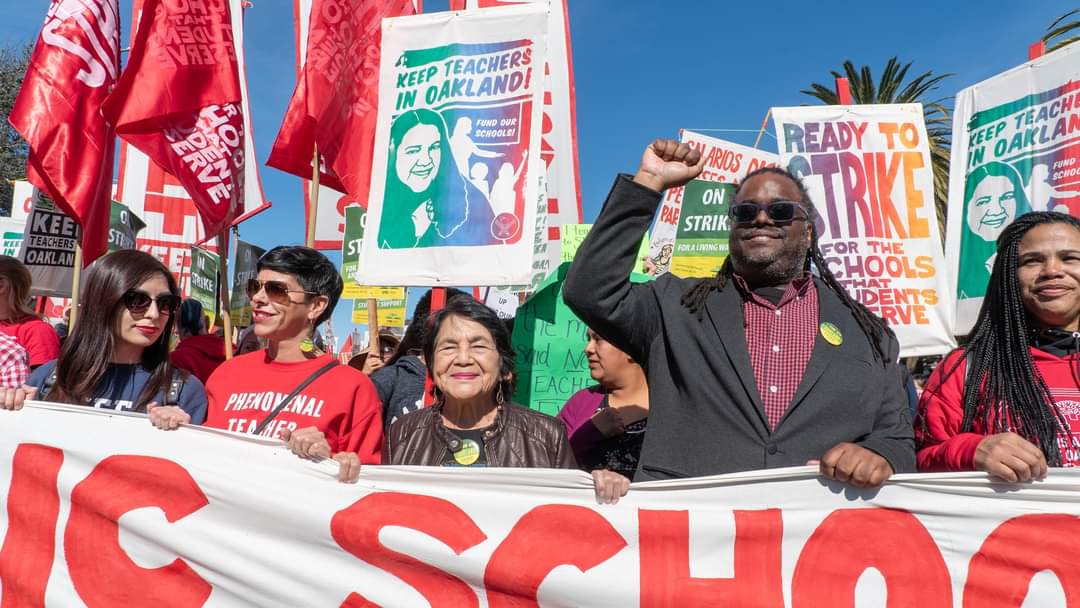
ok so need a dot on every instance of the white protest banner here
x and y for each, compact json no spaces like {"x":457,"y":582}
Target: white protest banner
{"x":868,"y":171}
{"x":558,"y":145}
{"x":11,"y":236}
{"x":724,"y":162}
{"x":457,"y":170}
{"x":23,"y":196}
{"x":1015,"y":149}
{"x":48,"y":249}
{"x":104,"y":510}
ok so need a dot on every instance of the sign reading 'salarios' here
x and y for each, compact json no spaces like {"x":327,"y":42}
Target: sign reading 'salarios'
{"x":869,"y":175}
{"x":457,"y":168}
{"x":1015,"y":149}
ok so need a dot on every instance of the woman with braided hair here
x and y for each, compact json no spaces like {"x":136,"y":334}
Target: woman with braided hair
{"x":1008,"y":403}
{"x":764,"y":365}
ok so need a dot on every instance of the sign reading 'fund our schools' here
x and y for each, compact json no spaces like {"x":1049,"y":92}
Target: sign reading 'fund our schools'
{"x":457,"y":170}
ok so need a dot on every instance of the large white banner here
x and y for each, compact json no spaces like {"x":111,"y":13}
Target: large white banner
{"x":104,"y":510}
{"x":457,"y":170}
{"x":724,"y":162}
{"x":868,"y":171}
{"x":1015,"y":149}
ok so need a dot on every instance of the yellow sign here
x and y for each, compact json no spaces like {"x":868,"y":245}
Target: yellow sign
{"x":380,"y":293}
{"x":391,"y":313}
{"x":832,"y":334}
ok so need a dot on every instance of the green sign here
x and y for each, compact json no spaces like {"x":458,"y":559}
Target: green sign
{"x":204,"y":281}
{"x":124,"y":226}
{"x":549,"y":341}
{"x":572,"y":235}
{"x":701,"y":239}
{"x":247,"y":256}
{"x":355,"y":219}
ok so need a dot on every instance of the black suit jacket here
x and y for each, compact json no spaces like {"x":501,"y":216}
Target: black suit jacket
{"x":706,"y":415}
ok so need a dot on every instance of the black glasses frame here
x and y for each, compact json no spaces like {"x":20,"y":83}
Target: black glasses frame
{"x":746,"y":212}
{"x":138,"y":302}
{"x":275,"y":290}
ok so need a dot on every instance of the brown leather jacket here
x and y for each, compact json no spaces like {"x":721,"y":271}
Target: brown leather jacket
{"x":519,"y":437}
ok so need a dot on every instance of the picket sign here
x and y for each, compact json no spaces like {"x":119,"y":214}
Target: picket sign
{"x":104,"y":510}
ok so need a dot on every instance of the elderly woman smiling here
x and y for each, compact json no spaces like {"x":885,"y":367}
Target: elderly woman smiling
{"x":472,"y":424}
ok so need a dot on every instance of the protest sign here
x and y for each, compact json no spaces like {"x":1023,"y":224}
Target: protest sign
{"x":502,"y":301}
{"x":457,"y":170}
{"x":22,"y":199}
{"x":558,"y":146}
{"x":381,"y":293}
{"x":724,"y":162}
{"x":1015,"y":149}
{"x":574,"y":234}
{"x":243,"y":270}
{"x":549,"y":343}
{"x":701,"y":241}
{"x":182,"y":518}
{"x":869,"y":174}
{"x":48,"y":249}
{"x":391,"y":313}
{"x":355,"y":217}
{"x":11,"y":236}
{"x":124,"y":227}
{"x":205,"y":267}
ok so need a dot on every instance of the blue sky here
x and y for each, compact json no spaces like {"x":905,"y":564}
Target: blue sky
{"x":647,"y":69}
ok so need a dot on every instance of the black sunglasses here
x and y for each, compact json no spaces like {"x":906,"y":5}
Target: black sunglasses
{"x":138,"y":302}
{"x":778,"y":211}
{"x":275,"y":290}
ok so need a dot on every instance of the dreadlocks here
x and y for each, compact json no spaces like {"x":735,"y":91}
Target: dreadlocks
{"x":872,"y":326}
{"x":1003,"y":391}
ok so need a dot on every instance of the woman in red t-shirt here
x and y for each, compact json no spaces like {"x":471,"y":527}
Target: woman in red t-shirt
{"x":1006,"y":402}
{"x":18,"y":320}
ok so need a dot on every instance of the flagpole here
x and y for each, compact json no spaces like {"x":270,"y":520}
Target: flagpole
{"x":764,"y":124}
{"x":373,"y":327}
{"x":76,"y":276}
{"x":223,"y":290}
{"x":314,"y":197}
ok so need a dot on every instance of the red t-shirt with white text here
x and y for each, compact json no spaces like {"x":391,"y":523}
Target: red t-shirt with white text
{"x":342,"y":403}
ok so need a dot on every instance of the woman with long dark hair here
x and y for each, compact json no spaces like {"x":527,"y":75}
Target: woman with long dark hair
{"x":1006,"y":402}
{"x":117,"y":356}
{"x":427,"y":202}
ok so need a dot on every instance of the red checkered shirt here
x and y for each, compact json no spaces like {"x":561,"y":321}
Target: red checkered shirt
{"x":780,"y":339}
{"x":14,"y":363}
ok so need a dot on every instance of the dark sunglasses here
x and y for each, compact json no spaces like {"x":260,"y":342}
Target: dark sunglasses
{"x":275,"y":290}
{"x":138,"y":302}
{"x":778,"y":211}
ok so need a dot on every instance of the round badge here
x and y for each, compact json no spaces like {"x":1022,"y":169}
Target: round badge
{"x":832,"y":334}
{"x":468,"y":454}
{"x":505,"y":226}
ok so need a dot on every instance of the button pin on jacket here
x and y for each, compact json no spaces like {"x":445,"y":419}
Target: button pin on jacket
{"x":832,"y":334}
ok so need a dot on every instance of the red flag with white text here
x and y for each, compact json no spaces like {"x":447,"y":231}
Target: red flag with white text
{"x":179,"y":102}
{"x":58,"y":112}
{"x":336,"y":96}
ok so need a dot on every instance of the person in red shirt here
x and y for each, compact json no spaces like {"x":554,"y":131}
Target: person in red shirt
{"x":198,"y":352}
{"x":17,"y":320}
{"x":1008,"y":403}
{"x":338,"y":414}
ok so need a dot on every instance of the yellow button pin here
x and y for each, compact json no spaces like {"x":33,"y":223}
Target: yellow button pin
{"x":832,"y":334}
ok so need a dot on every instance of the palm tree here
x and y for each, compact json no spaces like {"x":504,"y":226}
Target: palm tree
{"x":891,"y":88}
{"x":1062,"y":32}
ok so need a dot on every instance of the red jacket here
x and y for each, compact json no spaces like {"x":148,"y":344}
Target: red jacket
{"x":199,"y":355}
{"x":942,"y":447}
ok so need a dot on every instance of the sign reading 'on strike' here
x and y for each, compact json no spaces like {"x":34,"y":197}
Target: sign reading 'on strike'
{"x":104,"y":510}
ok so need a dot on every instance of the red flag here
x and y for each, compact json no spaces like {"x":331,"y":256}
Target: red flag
{"x":334,"y":104}
{"x":58,"y":112}
{"x":179,"y":102}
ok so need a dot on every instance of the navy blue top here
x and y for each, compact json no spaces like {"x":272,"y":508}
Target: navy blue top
{"x":123,"y":383}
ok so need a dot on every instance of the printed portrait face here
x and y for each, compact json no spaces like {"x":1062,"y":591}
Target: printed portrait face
{"x":992,"y":207}
{"x":418,"y":157}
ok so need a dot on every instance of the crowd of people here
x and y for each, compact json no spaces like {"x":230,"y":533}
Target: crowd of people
{"x":770,"y":363}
